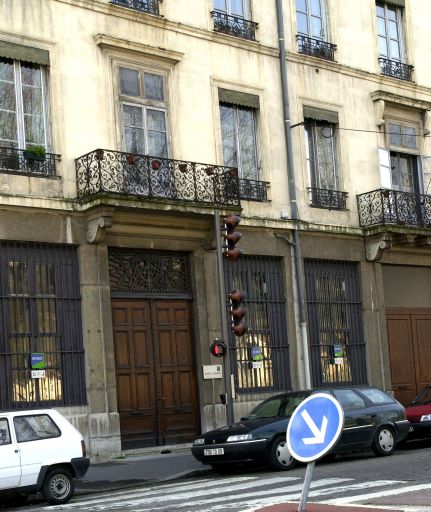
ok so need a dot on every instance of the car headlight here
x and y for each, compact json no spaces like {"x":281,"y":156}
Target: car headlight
{"x":240,"y":437}
{"x":201,"y":440}
{"x":426,"y":417}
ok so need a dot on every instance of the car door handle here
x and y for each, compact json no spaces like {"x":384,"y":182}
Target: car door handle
{"x":16,"y":451}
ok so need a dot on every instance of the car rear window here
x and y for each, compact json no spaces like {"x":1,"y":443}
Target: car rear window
{"x":349,"y":399}
{"x":35,"y":427}
{"x":376,"y":396}
{"x":4,"y":431}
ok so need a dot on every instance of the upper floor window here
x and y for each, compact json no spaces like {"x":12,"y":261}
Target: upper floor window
{"x":23,"y":109}
{"x":310,"y":18}
{"x":238,"y":128}
{"x":320,"y":144}
{"x":233,"y":17}
{"x":143,"y":111}
{"x":391,"y":40}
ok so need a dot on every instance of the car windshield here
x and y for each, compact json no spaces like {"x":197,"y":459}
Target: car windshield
{"x":283,"y":405}
{"x":424,"y":396}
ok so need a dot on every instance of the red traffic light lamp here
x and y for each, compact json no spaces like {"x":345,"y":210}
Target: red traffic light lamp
{"x":237,"y":312}
{"x":218,"y":348}
{"x":231,"y":237}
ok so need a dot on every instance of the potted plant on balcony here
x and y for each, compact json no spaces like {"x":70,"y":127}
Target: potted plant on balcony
{"x":132,"y":159}
{"x":182,"y":167}
{"x":35,"y":152}
{"x":209,"y":170}
{"x":155,"y":165}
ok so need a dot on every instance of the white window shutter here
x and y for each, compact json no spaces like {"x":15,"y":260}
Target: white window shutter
{"x":385,"y":168}
{"x":426,"y":169}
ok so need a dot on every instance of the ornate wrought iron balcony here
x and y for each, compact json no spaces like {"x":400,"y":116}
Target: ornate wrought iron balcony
{"x":150,"y":6}
{"x":234,"y":25}
{"x":22,"y":162}
{"x":383,"y":206}
{"x":331,"y":199}
{"x":396,"y":69}
{"x":112,"y":172}
{"x":252,"y":190}
{"x":316,"y":47}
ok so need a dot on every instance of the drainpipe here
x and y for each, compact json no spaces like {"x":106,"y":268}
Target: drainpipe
{"x":296,"y":245}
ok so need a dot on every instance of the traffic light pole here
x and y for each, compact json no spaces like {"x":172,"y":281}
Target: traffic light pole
{"x":223,"y":319}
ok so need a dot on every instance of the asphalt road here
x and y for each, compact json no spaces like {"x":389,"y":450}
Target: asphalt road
{"x":402,"y":481}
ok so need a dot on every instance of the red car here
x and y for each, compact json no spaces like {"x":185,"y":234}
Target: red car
{"x":419,"y":414}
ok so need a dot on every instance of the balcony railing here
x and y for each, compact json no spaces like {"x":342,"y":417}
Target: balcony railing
{"x":383,"y":207}
{"x":396,"y":69}
{"x":149,"y":6}
{"x":113,"y":172}
{"x":324,"y":198}
{"x":21,"y":162}
{"x":316,"y":47}
{"x":252,"y":190}
{"x":234,"y":25}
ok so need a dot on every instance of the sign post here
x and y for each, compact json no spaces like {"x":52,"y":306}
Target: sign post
{"x":313,"y":429}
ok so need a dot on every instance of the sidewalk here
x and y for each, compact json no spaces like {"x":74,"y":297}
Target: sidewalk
{"x":174,"y":462}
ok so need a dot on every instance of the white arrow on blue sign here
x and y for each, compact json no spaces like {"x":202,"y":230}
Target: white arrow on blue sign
{"x":314,"y":427}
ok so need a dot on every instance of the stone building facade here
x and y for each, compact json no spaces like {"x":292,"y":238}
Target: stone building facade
{"x":148,"y":119}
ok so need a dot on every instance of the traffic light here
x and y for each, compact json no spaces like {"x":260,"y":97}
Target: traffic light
{"x":237,"y":312}
{"x":218,"y":348}
{"x":231,"y":237}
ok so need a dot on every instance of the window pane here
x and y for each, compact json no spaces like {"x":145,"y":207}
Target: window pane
{"x":31,"y":74}
{"x":394,"y":50}
{"x":153,"y":87}
{"x":156,"y":120}
{"x":4,"y":432}
{"x":380,"y":10}
{"x":316,"y":27}
{"x":132,"y":116}
{"x":32,"y":100}
{"x":381,"y":27}
{"x":409,"y":137}
{"x":315,"y":8}
{"x":301,"y":20}
{"x":393,"y":30}
{"x":383,"y":47}
{"x":376,"y":396}
{"x":228,"y":131}
{"x":129,"y":82}
{"x":301,"y":5}
{"x":7,"y":96}
{"x":220,"y":5}
{"x":157,"y":144}
{"x":34,"y":130}
{"x":392,"y":13}
{"x":394,"y":134}
{"x":325,"y":159}
{"x":134,"y":140}
{"x":237,"y":8}
{"x":6,"y":70}
{"x":8,"y":128}
{"x":247,"y":144}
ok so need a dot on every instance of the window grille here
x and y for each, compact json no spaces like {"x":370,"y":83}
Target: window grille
{"x":40,"y":312}
{"x":335,"y":323}
{"x":261,"y":278}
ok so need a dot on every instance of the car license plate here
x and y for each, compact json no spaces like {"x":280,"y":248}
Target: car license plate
{"x":214,"y":451}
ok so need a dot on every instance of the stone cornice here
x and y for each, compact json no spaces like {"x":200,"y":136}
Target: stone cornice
{"x":397,"y":99}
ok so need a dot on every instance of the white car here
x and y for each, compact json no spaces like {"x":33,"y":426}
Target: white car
{"x":40,"y":451}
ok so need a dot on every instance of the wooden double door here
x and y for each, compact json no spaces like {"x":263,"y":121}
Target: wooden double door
{"x":409,"y":336}
{"x":156,"y":379}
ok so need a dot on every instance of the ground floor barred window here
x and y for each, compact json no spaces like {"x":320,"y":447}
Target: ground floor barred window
{"x":260,"y":358}
{"x":40,"y":326}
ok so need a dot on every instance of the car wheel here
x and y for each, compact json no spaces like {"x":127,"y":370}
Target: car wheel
{"x":384,"y":441}
{"x":280,"y":457}
{"x":58,"y":486}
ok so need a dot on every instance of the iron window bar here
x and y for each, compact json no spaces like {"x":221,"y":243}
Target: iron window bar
{"x":148,"y":6}
{"x":253,"y":190}
{"x":234,"y":25}
{"x":20,"y":161}
{"x":104,"y":171}
{"x":396,"y":69}
{"x":325,"y":198}
{"x":316,"y":47}
{"x":393,"y":207}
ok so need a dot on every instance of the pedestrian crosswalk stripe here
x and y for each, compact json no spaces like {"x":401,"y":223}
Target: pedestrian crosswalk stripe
{"x":389,"y":492}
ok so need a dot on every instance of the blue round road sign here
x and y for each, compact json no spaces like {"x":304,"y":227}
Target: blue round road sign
{"x":314,"y":427}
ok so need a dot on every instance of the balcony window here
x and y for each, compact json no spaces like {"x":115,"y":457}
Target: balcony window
{"x":320,"y":145}
{"x":23,"y":109}
{"x":391,"y":42}
{"x":233,"y":17}
{"x":149,"y":6}
{"x":311,"y":25}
